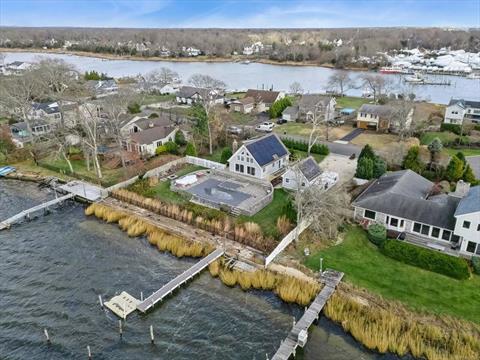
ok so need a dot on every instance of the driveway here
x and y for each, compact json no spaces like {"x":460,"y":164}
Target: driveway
{"x":335,"y":148}
{"x":474,"y":162}
{"x":352,"y":135}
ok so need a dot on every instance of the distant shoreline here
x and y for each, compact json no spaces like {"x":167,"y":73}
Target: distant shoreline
{"x":207,"y":59}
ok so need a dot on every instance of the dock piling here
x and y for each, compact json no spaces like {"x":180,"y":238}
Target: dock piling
{"x":120,"y":330}
{"x":152,"y":338}
{"x":89,"y":352}
{"x":141,"y":295}
{"x":100,"y":300}
{"x":45,"y":331}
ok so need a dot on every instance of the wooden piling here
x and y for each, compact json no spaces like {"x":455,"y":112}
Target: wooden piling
{"x":120,"y":330}
{"x":89,"y":352}
{"x":100,"y":300}
{"x":152,"y":338}
{"x":45,"y":331}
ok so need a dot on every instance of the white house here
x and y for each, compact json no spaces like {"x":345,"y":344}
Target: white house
{"x":264,"y":98}
{"x":190,"y":95}
{"x":467,"y":224}
{"x":302,"y":175}
{"x":168,"y":89}
{"x":459,"y":109}
{"x":244,"y":105}
{"x":101,"y":88}
{"x":260,"y":158}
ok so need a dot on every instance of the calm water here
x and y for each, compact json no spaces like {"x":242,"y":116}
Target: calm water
{"x":239,"y":76}
{"x":53,"y":268}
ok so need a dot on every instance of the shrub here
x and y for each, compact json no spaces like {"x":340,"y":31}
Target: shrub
{"x":290,"y":212}
{"x":377,"y":234}
{"x":303,"y":146}
{"x":456,"y":129}
{"x":134,"y":108}
{"x":191,"y":149}
{"x":427,"y":259}
{"x":476,"y":265}
{"x":379,"y":167}
{"x":180,"y":138}
{"x":153,"y":116}
{"x":412,"y":160}
{"x":364,"y":168}
{"x":455,"y":169}
{"x":366,"y":152}
{"x":278,"y":106}
{"x":226,"y":154}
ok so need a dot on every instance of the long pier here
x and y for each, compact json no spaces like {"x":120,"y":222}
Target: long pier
{"x":299,"y":334}
{"x":5,"y":224}
{"x":168,"y":288}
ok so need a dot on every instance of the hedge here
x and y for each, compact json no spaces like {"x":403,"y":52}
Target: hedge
{"x":303,"y":146}
{"x":456,"y":129}
{"x":476,"y":265}
{"x":430,"y":260}
{"x":377,"y":234}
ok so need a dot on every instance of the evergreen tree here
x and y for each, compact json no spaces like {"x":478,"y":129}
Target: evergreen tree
{"x":469,"y":176}
{"x":190,"y":149}
{"x":412,"y":160}
{"x":434,"y":147}
{"x":379,"y":167}
{"x":455,"y":169}
{"x":364,"y":169}
{"x":180,"y":138}
{"x":367,"y":152}
{"x":226,"y":154}
{"x":461,"y":156}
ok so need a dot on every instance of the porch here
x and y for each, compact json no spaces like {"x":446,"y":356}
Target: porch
{"x":447,"y":247}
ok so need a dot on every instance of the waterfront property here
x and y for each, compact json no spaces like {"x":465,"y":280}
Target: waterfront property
{"x":148,"y":138}
{"x":405,"y":202}
{"x":301,"y":175}
{"x":101,"y":88}
{"x":459,"y":109}
{"x":227,"y":191}
{"x":190,"y":95}
{"x":309,"y":106}
{"x":244,"y":105}
{"x":264,"y":99}
{"x":262,"y":158}
{"x":381,"y":118}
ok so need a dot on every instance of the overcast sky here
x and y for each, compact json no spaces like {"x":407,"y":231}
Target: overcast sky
{"x":240,"y":13}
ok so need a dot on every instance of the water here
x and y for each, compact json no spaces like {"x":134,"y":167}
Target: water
{"x":239,"y":76}
{"x":53,"y":268}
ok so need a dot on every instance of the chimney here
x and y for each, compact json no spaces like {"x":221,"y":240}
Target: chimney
{"x":234,"y":145}
{"x":461,"y":189}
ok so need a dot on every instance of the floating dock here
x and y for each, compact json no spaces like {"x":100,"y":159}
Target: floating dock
{"x":5,"y":224}
{"x":172,"y":285}
{"x":122,"y":305}
{"x":298,"y":336}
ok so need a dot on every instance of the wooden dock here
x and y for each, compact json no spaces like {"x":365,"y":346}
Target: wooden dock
{"x":299,"y":334}
{"x":168,"y":288}
{"x":5,"y":224}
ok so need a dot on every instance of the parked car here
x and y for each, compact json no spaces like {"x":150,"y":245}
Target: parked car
{"x":234,"y":130}
{"x":281,"y":121}
{"x":266,"y":126}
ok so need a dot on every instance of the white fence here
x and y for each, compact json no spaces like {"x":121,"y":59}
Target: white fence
{"x":205,"y":163}
{"x":287,"y":241}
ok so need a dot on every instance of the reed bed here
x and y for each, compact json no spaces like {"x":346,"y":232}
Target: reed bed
{"x":385,"y":329}
{"x":135,"y":227}
{"x":248,"y":233}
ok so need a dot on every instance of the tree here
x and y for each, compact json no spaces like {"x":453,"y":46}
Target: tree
{"x":469,"y":175}
{"x":366,"y":152}
{"x":379,"y":167}
{"x":435,"y":147}
{"x":278,"y":106}
{"x":402,"y":117}
{"x":377,"y":84}
{"x":180,"y":138}
{"x":364,"y":168}
{"x":341,"y":81}
{"x":412,"y":160}
{"x":461,"y":156}
{"x":190,"y":149}
{"x":155,"y":79}
{"x":455,"y":169}
{"x":226,"y":154}
{"x":296,"y":88}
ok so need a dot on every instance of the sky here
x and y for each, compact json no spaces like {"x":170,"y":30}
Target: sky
{"x":240,"y":13}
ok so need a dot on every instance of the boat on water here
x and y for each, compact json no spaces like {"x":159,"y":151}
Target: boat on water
{"x":246,"y":62}
{"x":474,"y":75}
{"x":391,"y":70}
{"x":416,"y":78}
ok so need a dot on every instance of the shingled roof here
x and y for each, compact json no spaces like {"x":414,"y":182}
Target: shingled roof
{"x":151,"y":135}
{"x":265,"y":96}
{"x":266,"y":149}
{"x":406,"y":194}
{"x":464,"y":103}
{"x":470,"y":203}
{"x":380,"y":110}
{"x":309,"y":168}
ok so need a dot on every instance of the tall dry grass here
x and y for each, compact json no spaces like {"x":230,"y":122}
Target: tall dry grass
{"x":385,"y":329}
{"x":284,"y":225}
{"x":247,"y":233}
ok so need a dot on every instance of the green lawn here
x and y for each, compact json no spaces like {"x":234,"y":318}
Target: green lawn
{"x":152,"y":99}
{"x":293,"y":128}
{"x":444,"y":137}
{"x":239,"y":118}
{"x":466,"y":152}
{"x":267,"y":217}
{"x":303,"y":155}
{"x":216,"y":156}
{"x":419,"y":289}
{"x":351,"y":102}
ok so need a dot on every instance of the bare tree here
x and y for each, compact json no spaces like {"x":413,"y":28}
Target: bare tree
{"x":377,"y":84}
{"x":315,"y":118}
{"x":155,"y":79}
{"x":326,"y":209}
{"x":402,"y":117}
{"x":296,"y":88}
{"x":90,"y":123}
{"x":341,"y":81}
{"x":208,"y":88}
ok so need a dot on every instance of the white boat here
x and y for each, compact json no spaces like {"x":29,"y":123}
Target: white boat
{"x":417,"y":78}
{"x":473,"y":76}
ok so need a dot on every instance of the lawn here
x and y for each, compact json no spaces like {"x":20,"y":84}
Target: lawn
{"x":444,"y":137}
{"x":239,"y":118}
{"x":303,"y":154}
{"x":293,"y":128}
{"x":419,"y":289}
{"x":351,"y":102}
{"x":152,"y":99}
{"x":466,"y":152}
{"x":216,"y":156}
{"x":267,"y":217}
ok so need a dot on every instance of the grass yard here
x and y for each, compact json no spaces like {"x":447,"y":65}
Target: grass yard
{"x":152,"y":99}
{"x":444,"y":137}
{"x":216,"y":156}
{"x":352,"y":102}
{"x":466,"y":152}
{"x":376,"y":140}
{"x":303,"y":155}
{"x":267,"y":217}
{"x":239,"y":118}
{"x":293,"y":128}
{"x":365,"y":266}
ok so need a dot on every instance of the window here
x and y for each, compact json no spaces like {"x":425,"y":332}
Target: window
{"x":425,"y":229}
{"x":251,"y":170}
{"x":402,"y":223}
{"x":478,"y":227}
{"x":446,"y":235}
{"x":466,"y":224}
{"x":394,"y":221}
{"x":287,"y":180}
{"x":369,"y":214}
{"x":471,"y":247}
{"x":455,"y":239}
{"x":417,"y":227}
{"x":435,"y":232}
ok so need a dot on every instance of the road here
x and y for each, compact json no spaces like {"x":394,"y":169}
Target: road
{"x":335,"y":148}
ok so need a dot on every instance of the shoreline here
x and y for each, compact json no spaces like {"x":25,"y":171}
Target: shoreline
{"x":198,"y":59}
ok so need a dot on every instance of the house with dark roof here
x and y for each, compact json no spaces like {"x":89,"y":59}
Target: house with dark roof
{"x":261,"y":158}
{"x":302,"y":175}
{"x":146,"y":142}
{"x":467,"y":221}
{"x":190,"y":95}
{"x":264,"y":98}
{"x":101,"y":88}
{"x":321,"y":105}
{"x":379,"y":117}
{"x":459,"y":109}
{"x":244,"y":105}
